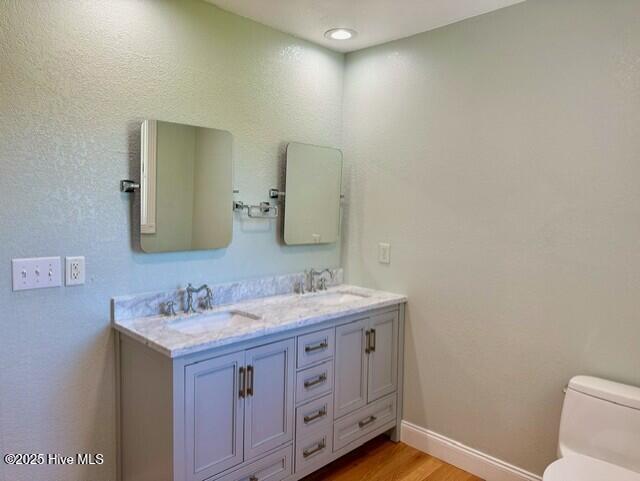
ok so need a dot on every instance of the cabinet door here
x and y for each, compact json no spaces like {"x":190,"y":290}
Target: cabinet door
{"x":213,"y":416}
{"x":350,"y":368}
{"x":383,"y":355}
{"x":269,"y":402}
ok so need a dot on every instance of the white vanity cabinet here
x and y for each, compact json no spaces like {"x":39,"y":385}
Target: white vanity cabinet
{"x":271,"y":408}
{"x":237,"y":407}
{"x":366,"y":361}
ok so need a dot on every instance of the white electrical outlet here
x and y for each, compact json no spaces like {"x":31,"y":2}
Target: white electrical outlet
{"x":36,"y":273}
{"x":75,"y":271}
{"x":384,"y":253}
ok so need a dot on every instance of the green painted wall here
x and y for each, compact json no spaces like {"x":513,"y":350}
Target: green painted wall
{"x":500,"y":158}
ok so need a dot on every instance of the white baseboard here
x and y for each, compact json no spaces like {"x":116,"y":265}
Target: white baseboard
{"x":466,"y":458}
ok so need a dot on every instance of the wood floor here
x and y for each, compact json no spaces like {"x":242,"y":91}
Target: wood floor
{"x":382,"y":460}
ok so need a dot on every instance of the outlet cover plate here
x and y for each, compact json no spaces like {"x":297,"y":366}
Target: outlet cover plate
{"x":36,"y":273}
{"x":74,"y":271}
{"x":384,"y":253}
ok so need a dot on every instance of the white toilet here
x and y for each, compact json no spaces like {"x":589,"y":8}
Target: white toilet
{"x":599,"y":433}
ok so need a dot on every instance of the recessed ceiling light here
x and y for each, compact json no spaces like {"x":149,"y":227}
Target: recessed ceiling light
{"x":340,"y":33}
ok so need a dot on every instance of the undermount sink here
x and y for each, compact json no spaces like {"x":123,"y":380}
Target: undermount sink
{"x":336,"y":298}
{"x":202,"y":323}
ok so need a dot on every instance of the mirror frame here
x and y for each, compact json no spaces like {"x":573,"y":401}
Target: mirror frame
{"x":287,"y":197}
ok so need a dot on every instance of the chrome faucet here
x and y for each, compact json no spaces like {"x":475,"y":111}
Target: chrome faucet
{"x":190,"y":309}
{"x":314,"y":274}
{"x":170,"y":308}
{"x":207,"y":302}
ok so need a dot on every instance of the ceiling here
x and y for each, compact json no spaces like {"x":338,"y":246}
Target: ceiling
{"x":376,"y":21}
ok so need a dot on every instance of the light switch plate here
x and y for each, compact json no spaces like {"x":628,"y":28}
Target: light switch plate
{"x":384,"y":253}
{"x":36,"y":273}
{"x":74,"y":271}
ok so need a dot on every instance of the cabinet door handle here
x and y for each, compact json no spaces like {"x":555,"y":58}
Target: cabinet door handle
{"x":320,"y":414}
{"x":367,"y":421}
{"x":242,"y":382}
{"x":318,"y":380}
{"x":373,"y":340}
{"x":367,"y":341}
{"x":249,"y":389}
{"x":318,"y":447}
{"x":318,"y":347}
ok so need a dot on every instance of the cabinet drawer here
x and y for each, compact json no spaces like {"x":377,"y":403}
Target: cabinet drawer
{"x":274,"y":467}
{"x":314,"y":382}
{"x":315,"y":347}
{"x":363,"y":421}
{"x":315,"y":416}
{"x":313,"y":452}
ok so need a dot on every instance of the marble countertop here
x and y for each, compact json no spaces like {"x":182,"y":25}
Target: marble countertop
{"x":180,"y":335}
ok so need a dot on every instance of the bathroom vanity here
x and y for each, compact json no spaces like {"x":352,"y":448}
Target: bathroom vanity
{"x":263,"y":389}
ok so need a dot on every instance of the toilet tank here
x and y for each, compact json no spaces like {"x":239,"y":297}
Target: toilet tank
{"x":601,"y":419}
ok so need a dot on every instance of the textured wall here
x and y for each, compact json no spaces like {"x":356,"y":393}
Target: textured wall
{"x":76,"y":78}
{"x":500,"y":157}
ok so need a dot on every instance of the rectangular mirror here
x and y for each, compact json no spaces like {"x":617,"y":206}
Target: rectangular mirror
{"x":312,"y":198}
{"x":186,"y":187}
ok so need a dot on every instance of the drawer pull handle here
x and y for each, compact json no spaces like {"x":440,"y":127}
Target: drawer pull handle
{"x":310,"y":452}
{"x":242,"y":383}
{"x":320,"y":414}
{"x":372,"y":348}
{"x":318,"y":347}
{"x":318,"y":380}
{"x":249,"y":390}
{"x":367,"y":421}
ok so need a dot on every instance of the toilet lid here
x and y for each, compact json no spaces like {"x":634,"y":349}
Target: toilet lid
{"x":584,"y":468}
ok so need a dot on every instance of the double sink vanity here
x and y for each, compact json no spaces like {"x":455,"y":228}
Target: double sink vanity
{"x":260,"y":380}
{"x":264,"y":383}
